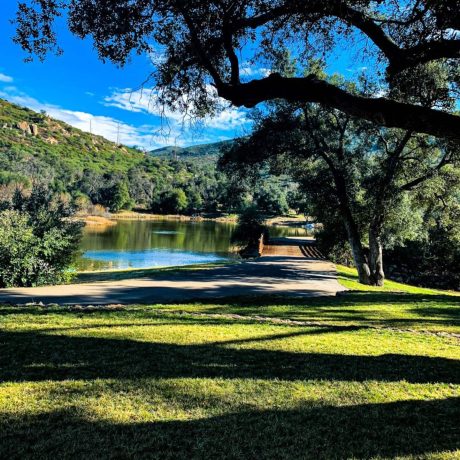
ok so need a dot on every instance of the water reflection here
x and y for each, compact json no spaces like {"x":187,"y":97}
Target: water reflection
{"x":142,"y":244}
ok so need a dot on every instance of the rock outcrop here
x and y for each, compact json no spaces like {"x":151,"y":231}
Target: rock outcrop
{"x":34,"y":129}
{"x":24,"y":127}
{"x":51,"y":140}
{"x":27,"y":128}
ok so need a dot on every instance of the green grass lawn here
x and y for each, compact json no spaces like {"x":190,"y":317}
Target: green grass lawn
{"x":372,"y":378}
{"x":396,"y":306}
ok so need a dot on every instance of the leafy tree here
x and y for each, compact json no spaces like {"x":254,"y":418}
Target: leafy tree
{"x":353,"y":171}
{"x":174,"y":201}
{"x":91,"y":184}
{"x":436,"y":251}
{"x":82,"y":202}
{"x":297,"y":201}
{"x":38,"y":242}
{"x":195,"y":201}
{"x":271,"y":198}
{"x":119,"y":197}
{"x":140,"y":186}
{"x":249,"y":229}
{"x":203,"y":42}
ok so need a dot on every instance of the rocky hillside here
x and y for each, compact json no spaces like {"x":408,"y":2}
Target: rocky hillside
{"x":24,"y":133}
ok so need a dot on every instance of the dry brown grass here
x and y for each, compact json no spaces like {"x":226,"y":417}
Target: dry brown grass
{"x":98,"y":221}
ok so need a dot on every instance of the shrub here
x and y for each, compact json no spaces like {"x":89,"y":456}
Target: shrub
{"x":38,"y":241}
{"x":174,"y":201}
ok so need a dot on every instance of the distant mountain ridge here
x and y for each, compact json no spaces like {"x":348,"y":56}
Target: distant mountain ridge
{"x":195,"y":151}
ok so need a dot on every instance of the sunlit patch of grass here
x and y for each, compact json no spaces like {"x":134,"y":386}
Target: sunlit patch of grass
{"x":396,"y":305}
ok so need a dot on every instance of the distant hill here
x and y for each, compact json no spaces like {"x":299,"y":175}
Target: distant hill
{"x":31,"y":133}
{"x":35,"y":148}
{"x":193,"y":152}
{"x":28,"y":133}
{"x":88,"y":169}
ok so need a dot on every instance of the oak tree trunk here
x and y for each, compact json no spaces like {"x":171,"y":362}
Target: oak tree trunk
{"x":377,"y":274}
{"x":359,"y":256}
{"x":357,"y":250}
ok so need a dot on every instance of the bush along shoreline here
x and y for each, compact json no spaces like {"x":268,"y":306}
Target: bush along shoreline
{"x":39,"y":239}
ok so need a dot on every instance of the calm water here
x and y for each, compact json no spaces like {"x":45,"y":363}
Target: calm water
{"x":143,"y":244}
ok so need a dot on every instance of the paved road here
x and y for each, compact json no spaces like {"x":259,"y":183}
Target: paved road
{"x":284,"y":270}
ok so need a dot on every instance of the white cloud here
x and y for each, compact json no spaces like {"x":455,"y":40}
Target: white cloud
{"x":356,"y":69}
{"x":145,"y":136}
{"x":5,"y":78}
{"x":146,"y":101}
{"x":250,"y":70}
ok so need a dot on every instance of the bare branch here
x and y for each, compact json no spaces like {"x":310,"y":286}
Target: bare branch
{"x":206,"y":62}
{"x":233,"y":58}
{"x":430,"y":174}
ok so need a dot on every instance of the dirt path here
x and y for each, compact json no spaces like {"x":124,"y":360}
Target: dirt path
{"x":284,"y":269}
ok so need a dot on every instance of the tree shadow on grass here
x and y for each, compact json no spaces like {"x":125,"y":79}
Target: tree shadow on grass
{"x":343,"y":299}
{"x":359,"y":306}
{"x":361,"y":431}
{"x":36,"y":357}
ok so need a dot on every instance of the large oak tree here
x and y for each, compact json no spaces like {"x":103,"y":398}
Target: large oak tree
{"x":206,"y":43}
{"x":355,"y":176}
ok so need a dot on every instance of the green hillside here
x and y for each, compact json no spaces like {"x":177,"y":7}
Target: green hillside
{"x":91,"y":170}
{"x":25,"y":133}
{"x":37,"y":148}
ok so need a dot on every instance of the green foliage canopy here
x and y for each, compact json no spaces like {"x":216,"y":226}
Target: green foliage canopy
{"x":206,"y":45}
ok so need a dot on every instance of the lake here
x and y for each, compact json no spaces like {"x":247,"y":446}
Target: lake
{"x":143,"y":244}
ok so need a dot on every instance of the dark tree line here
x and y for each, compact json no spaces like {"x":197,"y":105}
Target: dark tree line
{"x":159,"y":185}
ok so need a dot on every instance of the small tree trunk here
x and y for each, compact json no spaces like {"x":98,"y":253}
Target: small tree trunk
{"x":359,"y":256}
{"x":377,"y":275}
{"x":351,"y":227}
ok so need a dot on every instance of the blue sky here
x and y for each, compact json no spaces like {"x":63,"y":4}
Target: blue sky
{"x":76,"y":87}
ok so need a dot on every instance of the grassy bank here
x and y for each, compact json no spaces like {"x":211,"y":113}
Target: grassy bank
{"x":369,"y":379}
{"x":97,"y":221}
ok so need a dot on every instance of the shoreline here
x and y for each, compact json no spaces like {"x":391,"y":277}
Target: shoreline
{"x":112,"y":219}
{"x":133,"y":215}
